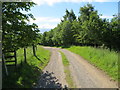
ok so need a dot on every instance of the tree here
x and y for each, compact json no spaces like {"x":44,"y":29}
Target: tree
{"x":114,"y":33}
{"x":77,"y":32}
{"x":66,"y":26}
{"x":85,"y":12}
{"x":16,"y":31}
{"x":91,"y":25}
{"x":12,"y":20}
{"x":69,"y":16}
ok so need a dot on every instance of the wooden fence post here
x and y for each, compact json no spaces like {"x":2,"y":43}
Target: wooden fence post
{"x":4,"y":64}
{"x":15,"y":58}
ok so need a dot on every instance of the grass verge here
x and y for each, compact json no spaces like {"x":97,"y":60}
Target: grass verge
{"x":25,"y":75}
{"x":67,"y":71}
{"x":102,"y":58}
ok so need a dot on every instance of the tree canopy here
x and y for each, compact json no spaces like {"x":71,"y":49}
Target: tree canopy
{"x":17,"y":32}
{"x":87,"y":29}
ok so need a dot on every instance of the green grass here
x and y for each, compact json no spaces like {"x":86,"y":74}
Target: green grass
{"x":42,"y":54}
{"x":67,"y":71}
{"x":64,"y":60}
{"x":26,"y":74}
{"x":102,"y":58}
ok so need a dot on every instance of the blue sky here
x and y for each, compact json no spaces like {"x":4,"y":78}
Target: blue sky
{"x":49,"y":13}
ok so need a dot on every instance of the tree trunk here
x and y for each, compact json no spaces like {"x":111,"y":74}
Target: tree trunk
{"x":34,"y":50}
{"x":110,"y":48}
{"x":25,"y":55}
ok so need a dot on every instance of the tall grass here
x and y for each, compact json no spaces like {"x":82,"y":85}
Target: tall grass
{"x":40,"y":61}
{"x":25,"y":75}
{"x":102,"y":58}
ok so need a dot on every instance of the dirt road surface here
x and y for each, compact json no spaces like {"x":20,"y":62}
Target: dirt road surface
{"x":53,"y":75}
{"x":84,"y":74}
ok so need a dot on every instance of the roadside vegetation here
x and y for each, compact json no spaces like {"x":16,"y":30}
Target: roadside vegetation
{"x":67,"y":71}
{"x":23,"y":38}
{"x":102,"y":58}
{"x":25,"y":75}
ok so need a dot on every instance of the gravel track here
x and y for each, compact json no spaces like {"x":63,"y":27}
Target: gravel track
{"x":53,"y":74}
{"x":84,"y":74}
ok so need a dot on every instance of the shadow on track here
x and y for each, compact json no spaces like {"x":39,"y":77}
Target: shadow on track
{"x":47,"y":80}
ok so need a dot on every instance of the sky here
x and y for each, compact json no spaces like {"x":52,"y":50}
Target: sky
{"x":48,"y":13}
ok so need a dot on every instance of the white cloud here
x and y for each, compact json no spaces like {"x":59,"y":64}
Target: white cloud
{"x":51,"y":2}
{"x":47,"y":26}
{"x":105,"y":16}
{"x":45,"y":19}
{"x":45,"y":22}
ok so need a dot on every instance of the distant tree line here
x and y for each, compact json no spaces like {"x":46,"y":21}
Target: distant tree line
{"x":86,"y":29}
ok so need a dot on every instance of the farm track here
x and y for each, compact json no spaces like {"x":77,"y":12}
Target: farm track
{"x":84,"y":74}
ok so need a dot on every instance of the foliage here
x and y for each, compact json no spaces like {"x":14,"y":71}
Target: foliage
{"x":16,"y":32}
{"x":88,"y":29}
